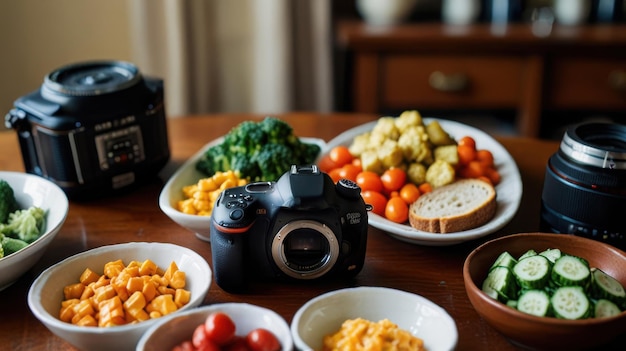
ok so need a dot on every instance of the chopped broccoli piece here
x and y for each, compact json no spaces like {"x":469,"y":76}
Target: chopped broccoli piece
{"x":11,"y":245}
{"x":278,"y":131}
{"x":8,"y":203}
{"x":26,"y":225}
{"x":274,"y":160}
{"x":259,"y":151}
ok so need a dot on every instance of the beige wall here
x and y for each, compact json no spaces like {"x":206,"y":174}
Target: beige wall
{"x":37,"y":37}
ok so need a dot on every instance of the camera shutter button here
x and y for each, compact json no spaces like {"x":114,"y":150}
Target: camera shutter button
{"x":348,"y":188}
{"x":236,"y":214}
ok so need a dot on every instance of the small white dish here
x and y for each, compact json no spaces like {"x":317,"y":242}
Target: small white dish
{"x":324,"y":314}
{"x":171,"y":331}
{"x":46,"y":292}
{"x":509,"y":190}
{"x":31,"y":190}
{"x":187,"y":174}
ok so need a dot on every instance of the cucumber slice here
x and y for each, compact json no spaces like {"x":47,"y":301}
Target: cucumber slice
{"x":501,"y":280}
{"x":528,"y":253}
{"x":505,"y":260}
{"x":570,"y":302}
{"x":551,"y":254}
{"x":571,"y":271}
{"x":606,"y":287}
{"x":535,"y":302}
{"x":532,"y":272}
{"x":605,"y":308}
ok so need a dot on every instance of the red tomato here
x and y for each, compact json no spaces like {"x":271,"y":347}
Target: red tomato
{"x":184,"y":346}
{"x":467,"y":141}
{"x":485,"y":157}
{"x":377,"y":200}
{"x":341,"y":155}
{"x":409,"y":193}
{"x":199,"y":337}
{"x":326,"y":164}
{"x":335,"y":174}
{"x":349,"y":171}
{"x":393,"y":179}
{"x":397,"y":210}
{"x":466,"y":154}
{"x":219,"y":328}
{"x":238,"y":344}
{"x":368,"y":180}
{"x":262,"y":340}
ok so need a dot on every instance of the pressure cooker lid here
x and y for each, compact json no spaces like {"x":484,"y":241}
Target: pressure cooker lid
{"x":92,"y":78}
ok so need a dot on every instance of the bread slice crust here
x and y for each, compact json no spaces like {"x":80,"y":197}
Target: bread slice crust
{"x":462,"y":205}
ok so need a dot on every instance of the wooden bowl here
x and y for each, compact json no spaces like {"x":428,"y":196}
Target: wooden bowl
{"x":545,"y":333}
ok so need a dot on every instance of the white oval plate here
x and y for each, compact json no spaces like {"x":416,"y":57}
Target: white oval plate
{"x":509,"y":190}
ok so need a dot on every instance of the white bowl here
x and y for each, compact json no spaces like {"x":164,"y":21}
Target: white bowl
{"x":46,"y":292}
{"x":187,"y":174}
{"x":173,"y":330}
{"x":323,"y":315}
{"x":31,"y":190}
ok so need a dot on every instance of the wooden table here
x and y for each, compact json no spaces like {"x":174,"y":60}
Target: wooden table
{"x":433,"y":272}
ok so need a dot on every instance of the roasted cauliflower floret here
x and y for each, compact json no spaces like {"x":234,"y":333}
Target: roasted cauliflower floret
{"x":414,"y":144}
{"x":416,"y":173}
{"x":387,"y":126}
{"x":437,"y":135}
{"x":447,"y":153}
{"x":371,"y":162}
{"x":390,"y":154}
{"x":408,"y":119}
{"x":360,"y":144}
{"x":440,"y":173}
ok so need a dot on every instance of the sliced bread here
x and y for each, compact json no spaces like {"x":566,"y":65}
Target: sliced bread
{"x":462,"y":205}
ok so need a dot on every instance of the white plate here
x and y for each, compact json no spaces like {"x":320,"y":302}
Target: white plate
{"x":188,"y":174}
{"x":324,"y":314}
{"x":509,"y":190}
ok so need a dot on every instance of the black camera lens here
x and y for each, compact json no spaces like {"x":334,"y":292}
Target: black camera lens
{"x":584,"y":191}
{"x":305,"y":249}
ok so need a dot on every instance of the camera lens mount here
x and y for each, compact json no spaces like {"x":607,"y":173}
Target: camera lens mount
{"x":305,"y":249}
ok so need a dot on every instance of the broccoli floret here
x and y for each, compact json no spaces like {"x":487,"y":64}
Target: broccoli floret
{"x":10,"y":245}
{"x":8,"y":203}
{"x":246,"y":138}
{"x":278,"y":131}
{"x":215,"y":159}
{"x":259,"y":151}
{"x":26,"y":225}
{"x":274,"y":160}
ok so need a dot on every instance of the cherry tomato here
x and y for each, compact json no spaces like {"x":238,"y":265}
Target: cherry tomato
{"x":466,"y":154}
{"x":341,"y":155}
{"x":409,"y":193}
{"x":357,"y":162}
{"x":425,"y":188}
{"x":326,"y":164}
{"x":262,"y":340}
{"x":393,"y":179}
{"x":184,"y":346}
{"x":467,"y":141}
{"x":349,"y":171}
{"x":219,"y":328}
{"x":377,"y":200}
{"x":493,"y":175}
{"x":239,"y":343}
{"x":485,"y":157}
{"x":200,"y":339}
{"x":368,"y":180}
{"x":474,"y":169}
{"x":335,"y":174}
{"x":397,"y":210}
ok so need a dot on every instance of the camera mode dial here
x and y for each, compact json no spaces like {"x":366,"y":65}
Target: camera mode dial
{"x":348,"y":189}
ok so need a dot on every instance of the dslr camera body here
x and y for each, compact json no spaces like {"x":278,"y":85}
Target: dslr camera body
{"x":301,"y":227}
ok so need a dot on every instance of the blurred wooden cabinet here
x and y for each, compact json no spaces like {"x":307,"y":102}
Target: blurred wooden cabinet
{"x":434,"y":66}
